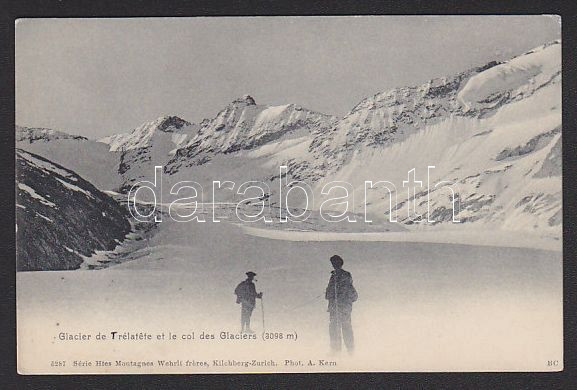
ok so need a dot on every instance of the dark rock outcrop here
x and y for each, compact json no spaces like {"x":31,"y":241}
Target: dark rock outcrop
{"x":61,"y":217}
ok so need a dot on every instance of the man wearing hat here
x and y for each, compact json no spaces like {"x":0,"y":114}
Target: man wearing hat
{"x":246,"y":295}
{"x":341,"y":294}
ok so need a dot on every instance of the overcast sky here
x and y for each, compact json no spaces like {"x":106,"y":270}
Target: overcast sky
{"x":97,"y":77}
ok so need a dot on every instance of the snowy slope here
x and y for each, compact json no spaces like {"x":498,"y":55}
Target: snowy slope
{"x":514,"y":79}
{"x":144,"y":135}
{"x":394,"y":115}
{"x":245,"y":125}
{"x":502,"y":159}
{"x":152,"y":143}
{"x":60,"y":217}
{"x":432,"y":299}
{"x":493,"y":131}
{"x":89,"y":159}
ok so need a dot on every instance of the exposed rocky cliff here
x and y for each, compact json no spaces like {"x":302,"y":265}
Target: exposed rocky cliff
{"x":61,"y":217}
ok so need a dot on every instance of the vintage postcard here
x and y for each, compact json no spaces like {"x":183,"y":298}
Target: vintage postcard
{"x":289,"y":194}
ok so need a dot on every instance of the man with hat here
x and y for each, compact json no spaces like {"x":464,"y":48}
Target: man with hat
{"x":246,"y":295}
{"x":341,"y":294}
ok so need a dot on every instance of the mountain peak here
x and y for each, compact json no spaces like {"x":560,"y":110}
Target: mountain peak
{"x":170,"y":123}
{"x":143,"y":135}
{"x":246,"y":99}
{"x":34,"y":134}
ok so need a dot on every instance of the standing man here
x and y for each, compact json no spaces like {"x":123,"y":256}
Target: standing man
{"x":246,"y":295}
{"x":341,"y":294}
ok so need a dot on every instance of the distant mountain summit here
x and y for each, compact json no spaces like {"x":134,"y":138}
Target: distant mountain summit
{"x":245,"y":99}
{"x":144,"y":135}
{"x":88,"y":158}
{"x":37,"y":134}
{"x":394,"y":115}
{"x":244,"y":125}
{"x":493,"y":131}
{"x":150,"y":144}
{"x":170,"y":124}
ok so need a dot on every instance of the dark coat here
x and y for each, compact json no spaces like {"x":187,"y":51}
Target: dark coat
{"x":246,"y":293}
{"x":340,"y":289}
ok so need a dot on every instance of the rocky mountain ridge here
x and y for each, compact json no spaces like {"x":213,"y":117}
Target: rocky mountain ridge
{"x":60,"y":217}
{"x":244,"y":125}
{"x":495,"y":130}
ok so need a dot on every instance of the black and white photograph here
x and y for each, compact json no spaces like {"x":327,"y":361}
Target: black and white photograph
{"x":289,"y":194}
